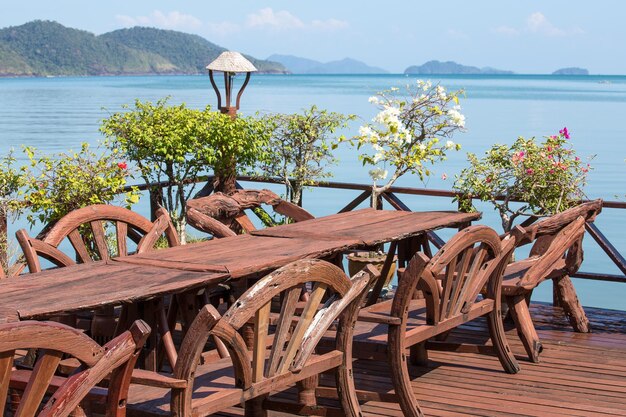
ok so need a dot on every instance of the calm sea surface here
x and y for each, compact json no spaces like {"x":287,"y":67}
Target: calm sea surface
{"x":56,"y":114}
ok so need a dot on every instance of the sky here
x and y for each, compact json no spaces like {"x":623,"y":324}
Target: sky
{"x":523,"y":36}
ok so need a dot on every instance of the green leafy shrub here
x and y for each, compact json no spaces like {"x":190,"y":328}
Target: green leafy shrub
{"x":546,"y":177}
{"x":61,"y":183}
{"x":301,"y":148}
{"x":175,"y":144}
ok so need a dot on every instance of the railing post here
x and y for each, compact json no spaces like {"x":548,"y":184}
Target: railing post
{"x":4,"y":240}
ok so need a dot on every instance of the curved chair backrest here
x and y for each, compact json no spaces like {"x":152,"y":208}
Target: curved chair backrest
{"x":85,"y":229}
{"x":297,"y":329}
{"x":56,"y":341}
{"x":223,"y":216}
{"x":471,"y":259}
{"x":542,"y":232}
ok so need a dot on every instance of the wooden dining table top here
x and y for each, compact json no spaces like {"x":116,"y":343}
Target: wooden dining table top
{"x":136,"y":277}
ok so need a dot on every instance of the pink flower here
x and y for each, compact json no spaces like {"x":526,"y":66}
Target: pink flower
{"x":122,"y":165}
{"x":488,"y":180}
{"x":444,"y":176}
{"x":521,"y":154}
{"x":551,"y":171}
{"x":564,"y":132}
{"x":549,"y":149}
{"x":553,"y":137}
{"x":530,"y":171}
{"x":577,"y":159}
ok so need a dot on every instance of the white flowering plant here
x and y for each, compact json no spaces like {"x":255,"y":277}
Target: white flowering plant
{"x":412,"y":131}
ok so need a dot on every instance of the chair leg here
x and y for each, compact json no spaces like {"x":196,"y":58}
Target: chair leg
{"x":254,"y":408}
{"x":499,"y":340}
{"x":525,"y":328}
{"x":400,"y":373}
{"x":571,"y":305}
{"x":418,"y":354}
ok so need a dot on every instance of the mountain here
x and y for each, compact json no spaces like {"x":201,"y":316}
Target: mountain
{"x":571,"y":71}
{"x":46,"y":48}
{"x":451,"y":67}
{"x":298,"y":65}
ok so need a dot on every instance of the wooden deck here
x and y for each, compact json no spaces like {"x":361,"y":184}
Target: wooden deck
{"x":579,"y":374}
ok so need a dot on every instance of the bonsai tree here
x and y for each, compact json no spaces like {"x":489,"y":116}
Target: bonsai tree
{"x":175,"y":144}
{"x":11,"y":180}
{"x":526,"y":178}
{"x":408,"y":133}
{"x":300,"y":148}
{"x":61,"y":183}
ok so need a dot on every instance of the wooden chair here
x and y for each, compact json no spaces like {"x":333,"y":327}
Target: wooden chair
{"x":284,"y":351}
{"x":85,"y":230}
{"x":451,"y":282}
{"x":556,"y":254}
{"x":60,"y":396}
{"x":223,"y":216}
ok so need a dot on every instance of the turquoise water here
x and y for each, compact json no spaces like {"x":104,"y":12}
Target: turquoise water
{"x":56,"y":114}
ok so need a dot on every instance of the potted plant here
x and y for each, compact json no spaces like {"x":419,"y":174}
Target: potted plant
{"x":407,"y":135}
{"x":526,"y":178}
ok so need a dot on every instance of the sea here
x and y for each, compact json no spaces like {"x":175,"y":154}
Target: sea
{"x":56,"y":114}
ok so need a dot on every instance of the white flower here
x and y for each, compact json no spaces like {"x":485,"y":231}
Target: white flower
{"x":456,"y":117}
{"x":373,"y":100}
{"x":450,"y":144}
{"x":441,"y":93}
{"x":366,"y":131}
{"x":378,"y":174}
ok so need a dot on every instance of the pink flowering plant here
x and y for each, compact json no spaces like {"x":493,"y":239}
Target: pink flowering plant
{"x":543,"y":177}
{"x":412,"y":131}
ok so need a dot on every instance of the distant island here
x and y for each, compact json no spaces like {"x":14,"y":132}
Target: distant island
{"x":451,"y":67}
{"x":46,"y":48}
{"x":298,"y":65}
{"x":571,"y":71}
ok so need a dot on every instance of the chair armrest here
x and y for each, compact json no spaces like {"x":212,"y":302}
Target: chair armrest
{"x":154,"y":379}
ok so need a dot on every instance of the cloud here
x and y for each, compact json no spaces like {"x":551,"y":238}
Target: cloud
{"x":538,"y":24}
{"x":268,"y":18}
{"x":272,"y":20}
{"x":171,"y":20}
{"x":506,"y":30}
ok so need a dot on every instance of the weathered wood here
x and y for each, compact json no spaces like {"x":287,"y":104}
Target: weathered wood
{"x":54,"y":340}
{"x":297,"y":361}
{"x":556,"y":254}
{"x":473,"y":258}
{"x":229,"y":210}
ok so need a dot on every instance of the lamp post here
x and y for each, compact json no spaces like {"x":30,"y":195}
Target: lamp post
{"x":230,"y":63}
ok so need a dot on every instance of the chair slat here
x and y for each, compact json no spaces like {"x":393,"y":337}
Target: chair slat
{"x":477,"y":263}
{"x":283,"y":326}
{"x":79,"y":246}
{"x":121,"y":233}
{"x":303,"y":323}
{"x":261,"y":323}
{"x":447,"y":287}
{"x":99,"y":237}
{"x":38,"y":383}
{"x":6,"y":364}
{"x":460,"y":279}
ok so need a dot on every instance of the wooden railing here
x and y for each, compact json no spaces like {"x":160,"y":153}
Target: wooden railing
{"x":393,"y":199}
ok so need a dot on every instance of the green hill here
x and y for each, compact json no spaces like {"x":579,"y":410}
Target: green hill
{"x":43,"y":48}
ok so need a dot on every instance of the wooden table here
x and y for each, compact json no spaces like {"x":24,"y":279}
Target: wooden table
{"x":179,"y":269}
